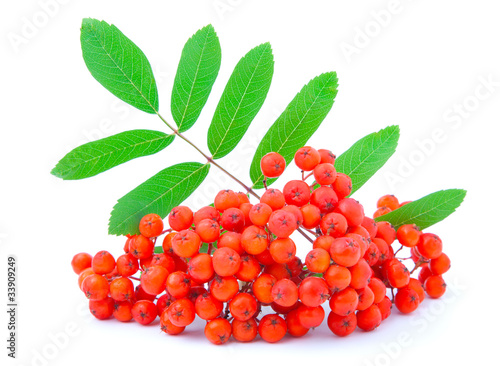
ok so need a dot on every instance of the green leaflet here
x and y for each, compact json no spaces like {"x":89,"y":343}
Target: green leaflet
{"x":301,"y":118}
{"x":427,"y":210}
{"x":98,"y":156}
{"x":159,"y":194}
{"x":118,"y":64}
{"x":196,"y":74}
{"x":363,"y":159}
{"x":241,"y":100}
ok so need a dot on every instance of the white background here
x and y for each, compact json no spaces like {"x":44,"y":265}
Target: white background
{"x":412,"y":63}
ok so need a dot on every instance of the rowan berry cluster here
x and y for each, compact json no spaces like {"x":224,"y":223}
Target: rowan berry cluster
{"x":225,"y":263}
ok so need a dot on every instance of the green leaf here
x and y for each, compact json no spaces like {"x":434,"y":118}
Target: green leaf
{"x":159,"y":194}
{"x":158,"y":250}
{"x":426,"y":211}
{"x":98,"y":156}
{"x":297,"y":123}
{"x":118,"y":64}
{"x":368,"y":155}
{"x":242,"y":98}
{"x":196,"y":74}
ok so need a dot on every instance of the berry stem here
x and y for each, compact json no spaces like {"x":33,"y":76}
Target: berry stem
{"x":310,"y":231}
{"x":134,"y":278}
{"x":397,"y":251}
{"x":304,"y":235}
{"x":209,"y":159}
{"x":307,"y":176}
{"x":417,"y":265}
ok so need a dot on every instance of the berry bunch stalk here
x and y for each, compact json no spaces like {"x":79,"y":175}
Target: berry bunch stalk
{"x":234,"y":264}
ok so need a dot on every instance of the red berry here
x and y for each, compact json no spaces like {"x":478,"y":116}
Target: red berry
{"x":243,"y":306}
{"x":306,"y":158}
{"x":151,"y":225}
{"x":208,"y":230}
{"x":345,"y":251}
{"x":435,"y":286}
{"x":181,"y":313}
{"x":282,"y":223}
{"x":351,"y":210}
{"x":440,"y":264}
{"x":272,"y":165}
{"x":333,"y":224}
{"x":233,"y":219}
{"x":102,"y":309}
{"x":385,"y":307}
{"x":141,"y":247}
{"x":294,"y":327}
{"x":262,"y":287}
{"x":259,"y":214}
{"x":317,"y":260}
{"x":274,"y":198}
{"x":144,"y":312}
{"x":325,"y":199}
{"x":342,"y":185}
{"x":430,"y":246}
{"x":224,"y":288}
{"x":207,"y":212}
{"x":122,"y":311}
{"x":103,"y":262}
{"x":369,"y":319}
{"x":309,"y":317}
{"x":186,"y":243}
{"x":272,"y":328}
{"x":244,"y":331}
{"x":226,"y":261}
{"x":297,"y":192}
{"x":167,"y":326}
{"x":180,"y":218}
{"x":327,"y":156}
{"x":226,"y":199}
{"x":313,"y":291}
{"x":200,"y":268}
{"x":337,"y":277}
{"x":153,"y":280}
{"x":406,"y":300}
{"x":254,"y":240}
{"x":285,"y":292}
{"x":389,"y":201}
{"x":95,"y":287}
{"x":344,"y":302}
{"x":311,"y":215}
{"x":207,"y":307}
{"x":218,"y":331}
{"x":408,"y":235}
{"x":80,"y":262}
{"x":282,"y":250}
{"x":325,"y":174}
{"x":121,"y":289}
{"x":342,"y":325}
{"x":127,"y":265}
